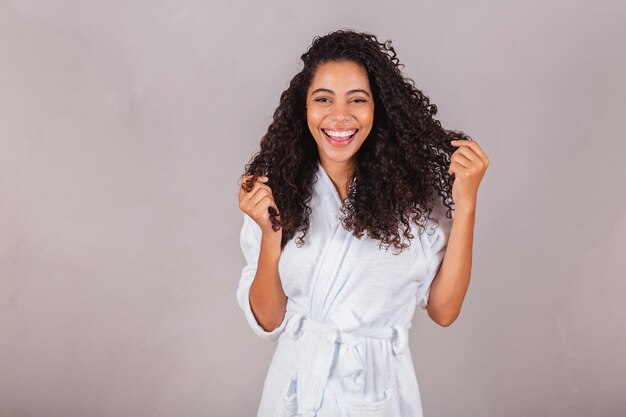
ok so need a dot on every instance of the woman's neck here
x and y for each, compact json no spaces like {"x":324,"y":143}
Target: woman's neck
{"x":339,"y":173}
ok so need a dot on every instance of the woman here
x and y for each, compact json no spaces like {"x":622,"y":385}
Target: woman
{"x":355,"y":163}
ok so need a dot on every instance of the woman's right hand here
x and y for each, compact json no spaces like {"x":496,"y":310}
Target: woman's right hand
{"x":256,"y":203}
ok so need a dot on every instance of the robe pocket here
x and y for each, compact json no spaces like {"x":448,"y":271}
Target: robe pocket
{"x":368,"y":408}
{"x":289,"y":400}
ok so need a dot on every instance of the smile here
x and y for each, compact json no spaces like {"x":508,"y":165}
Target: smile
{"x":339,"y":137}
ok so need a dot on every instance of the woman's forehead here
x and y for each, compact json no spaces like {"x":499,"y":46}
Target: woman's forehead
{"x":344,"y":75}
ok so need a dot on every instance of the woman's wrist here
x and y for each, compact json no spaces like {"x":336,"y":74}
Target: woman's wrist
{"x":272,"y":241}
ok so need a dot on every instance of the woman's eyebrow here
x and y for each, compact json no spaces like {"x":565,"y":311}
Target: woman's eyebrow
{"x":358,"y":90}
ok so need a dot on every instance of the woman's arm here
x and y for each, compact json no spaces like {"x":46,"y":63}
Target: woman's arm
{"x":468,"y":164}
{"x":267,"y":297}
{"x":260,"y":291}
{"x":450,"y":285}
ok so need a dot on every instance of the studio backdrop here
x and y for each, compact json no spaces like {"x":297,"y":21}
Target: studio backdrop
{"x":125,"y":125}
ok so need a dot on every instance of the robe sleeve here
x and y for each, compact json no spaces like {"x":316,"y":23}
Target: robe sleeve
{"x":250,"y":241}
{"x":434,"y":243}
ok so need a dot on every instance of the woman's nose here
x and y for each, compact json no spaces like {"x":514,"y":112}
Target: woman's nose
{"x":340,"y":112}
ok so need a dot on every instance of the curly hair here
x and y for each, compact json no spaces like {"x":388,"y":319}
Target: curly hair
{"x":400,"y":168}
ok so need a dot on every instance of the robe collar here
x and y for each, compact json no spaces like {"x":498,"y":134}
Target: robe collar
{"x":327,"y":187}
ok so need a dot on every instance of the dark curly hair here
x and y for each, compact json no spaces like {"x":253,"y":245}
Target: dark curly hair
{"x":400,"y":168}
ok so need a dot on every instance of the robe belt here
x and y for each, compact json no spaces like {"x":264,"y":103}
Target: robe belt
{"x":318,"y":345}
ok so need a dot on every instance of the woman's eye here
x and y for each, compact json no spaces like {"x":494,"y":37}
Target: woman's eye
{"x":326,"y":100}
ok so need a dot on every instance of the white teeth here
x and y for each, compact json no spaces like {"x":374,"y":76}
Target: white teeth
{"x":344,"y":134}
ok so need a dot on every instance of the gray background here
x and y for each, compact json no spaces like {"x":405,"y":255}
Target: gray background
{"x":124,"y":126}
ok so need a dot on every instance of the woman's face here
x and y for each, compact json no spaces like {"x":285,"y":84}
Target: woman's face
{"x":340,"y":110}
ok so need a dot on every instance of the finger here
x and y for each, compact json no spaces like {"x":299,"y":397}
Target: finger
{"x":260,"y":195}
{"x":253,"y":195}
{"x":252,"y":205}
{"x":266,"y":201}
{"x":250,"y":180}
{"x":456,"y":168}
{"x":264,"y":204}
{"x":243,"y":191}
{"x":473,"y":145}
{"x":468,"y":154}
{"x":461,"y":159}
{"x":471,"y":154}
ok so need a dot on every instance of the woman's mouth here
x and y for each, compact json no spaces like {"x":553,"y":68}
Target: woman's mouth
{"x":339,"y":137}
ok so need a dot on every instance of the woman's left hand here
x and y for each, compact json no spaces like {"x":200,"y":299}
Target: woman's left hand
{"x":468,"y":165}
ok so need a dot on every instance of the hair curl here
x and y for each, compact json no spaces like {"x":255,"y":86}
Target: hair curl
{"x":405,"y":157}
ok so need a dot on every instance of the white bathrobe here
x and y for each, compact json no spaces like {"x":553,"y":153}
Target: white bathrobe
{"x":343,"y":343}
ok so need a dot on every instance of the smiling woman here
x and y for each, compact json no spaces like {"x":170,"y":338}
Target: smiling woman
{"x":355,"y":161}
{"x":340,"y":115}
